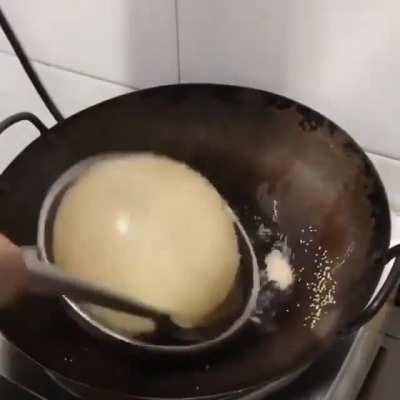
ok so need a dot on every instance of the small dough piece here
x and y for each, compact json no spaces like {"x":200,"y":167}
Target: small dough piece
{"x":152,"y":228}
{"x":279,"y":269}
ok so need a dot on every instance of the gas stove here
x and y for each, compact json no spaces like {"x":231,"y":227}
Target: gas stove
{"x":339,"y":374}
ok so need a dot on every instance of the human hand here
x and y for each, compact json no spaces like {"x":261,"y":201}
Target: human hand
{"x":12,"y":271}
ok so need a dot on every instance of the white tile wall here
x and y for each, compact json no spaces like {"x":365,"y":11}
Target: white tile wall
{"x":131,"y":42}
{"x":70,"y":91}
{"x":389,"y":171}
{"x":340,"y":57}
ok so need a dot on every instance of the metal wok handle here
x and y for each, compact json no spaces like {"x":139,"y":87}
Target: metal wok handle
{"x":383,"y":294}
{"x":24,"y":116}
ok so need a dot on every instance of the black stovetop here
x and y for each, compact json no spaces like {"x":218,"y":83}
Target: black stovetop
{"x":315,"y":383}
{"x":338,"y":374}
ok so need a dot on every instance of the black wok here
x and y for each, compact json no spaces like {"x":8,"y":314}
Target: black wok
{"x":283,"y":168}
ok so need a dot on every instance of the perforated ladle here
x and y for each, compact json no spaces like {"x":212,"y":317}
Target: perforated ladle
{"x":195,"y":339}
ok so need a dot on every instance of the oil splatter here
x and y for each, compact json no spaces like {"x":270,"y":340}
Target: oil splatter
{"x":275,"y":213}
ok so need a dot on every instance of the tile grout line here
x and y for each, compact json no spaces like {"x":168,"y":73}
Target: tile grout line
{"x":70,"y":70}
{"x":178,"y":50}
{"x":85,"y":75}
{"x":379,"y":154}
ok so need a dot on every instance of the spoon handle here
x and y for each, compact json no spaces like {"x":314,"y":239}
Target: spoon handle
{"x":48,"y":279}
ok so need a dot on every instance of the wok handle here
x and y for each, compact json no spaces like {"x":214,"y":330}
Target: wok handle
{"x":24,"y":116}
{"x":383,"y":294}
